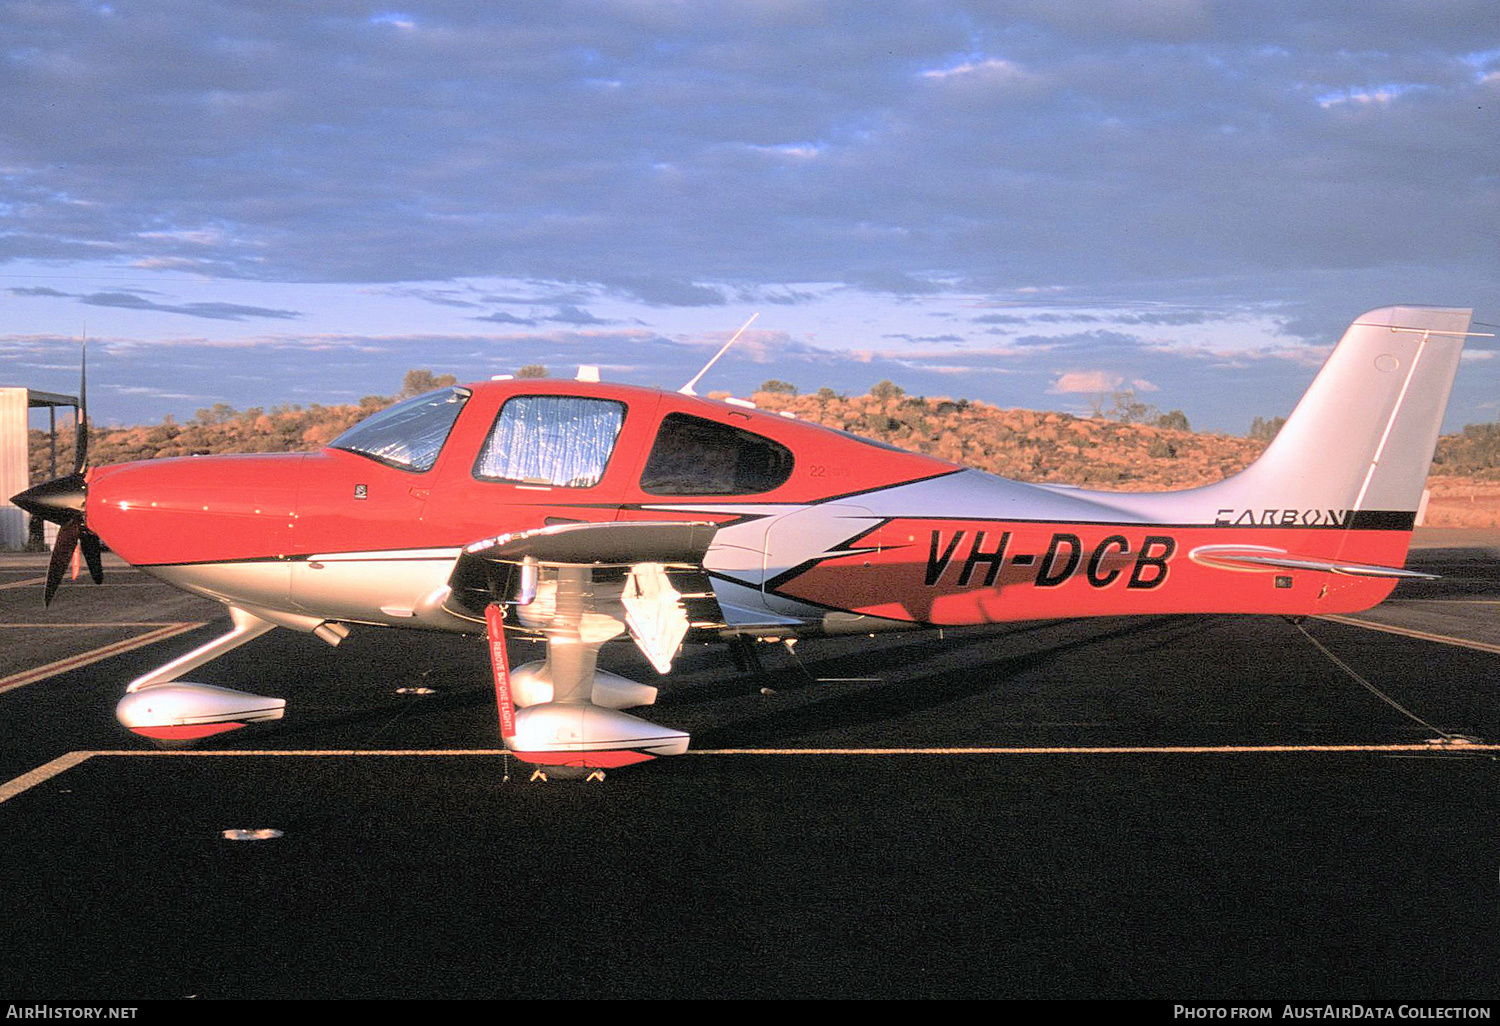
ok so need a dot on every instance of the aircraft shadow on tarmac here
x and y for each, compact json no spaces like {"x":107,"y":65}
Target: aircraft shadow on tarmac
{"x":1156,"y":680}
{"x":990,"y":663}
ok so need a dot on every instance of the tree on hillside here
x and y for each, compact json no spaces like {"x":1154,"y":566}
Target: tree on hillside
{"x":778,"y":387}
{"x":887,"y":390}
{"x":218,"y":413}
{"x":1264,"y":430}
{"x":1174,"y":421}
{"x":1474,"y":450}
{"x":1127,"y":409}
{"x":417,"y":382}
{"x":532,"y":370}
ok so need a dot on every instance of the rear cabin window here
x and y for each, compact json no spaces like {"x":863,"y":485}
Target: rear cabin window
{"x":694,"y":456}
{"x":554,"y":440}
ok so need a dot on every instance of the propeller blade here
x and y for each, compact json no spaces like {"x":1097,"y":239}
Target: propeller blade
{"x":81,"y":434}
{"x":62,"y":555}
{"x":89,"y":542}
{"x":62,"y":502}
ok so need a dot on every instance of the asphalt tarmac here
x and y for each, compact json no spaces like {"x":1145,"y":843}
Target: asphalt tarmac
{"x":1177,"y":808}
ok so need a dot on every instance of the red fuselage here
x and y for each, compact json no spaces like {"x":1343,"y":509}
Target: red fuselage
{"x":852,"y":528}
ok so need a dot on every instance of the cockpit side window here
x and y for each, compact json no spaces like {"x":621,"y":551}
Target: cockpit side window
{"x":694,"y":456}
{"x":410,"y":434}
{"x":555,"y":440}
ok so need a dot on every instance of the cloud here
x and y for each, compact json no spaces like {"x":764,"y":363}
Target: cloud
{"x":1095,"y":382}
{"x":1092,"y":382}
{"x":440,"y":297}
{"x":780,"y":295}
{"x":662,"y":291}
{"x":212,"y":311}
{"x":1173,"y":318}
{"x":134,"y":300}
{"x":575,"y":315}
{"x":926,"y":338}
{"x":619,"y":146}
{"x":1172,"y":159}
{"x":501,"y":317}
{"x":990,"y":71}
{"x":1377,"y":96}
{"x":1093,"y":341}
{"x":153,"y":393}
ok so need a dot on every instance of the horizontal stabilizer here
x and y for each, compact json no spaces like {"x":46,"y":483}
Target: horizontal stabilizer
{"x":1263,"y":558}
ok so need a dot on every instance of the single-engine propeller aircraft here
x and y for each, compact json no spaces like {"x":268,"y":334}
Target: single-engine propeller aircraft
{"x":580,"y":511}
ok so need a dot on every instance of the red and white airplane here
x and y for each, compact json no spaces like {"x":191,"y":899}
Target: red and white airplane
{"x":579,"y":512}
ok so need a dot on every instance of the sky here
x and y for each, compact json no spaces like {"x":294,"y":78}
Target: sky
{"x":1035,"y":203}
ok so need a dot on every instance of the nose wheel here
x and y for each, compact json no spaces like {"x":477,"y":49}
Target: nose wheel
{"x":166,"y":710}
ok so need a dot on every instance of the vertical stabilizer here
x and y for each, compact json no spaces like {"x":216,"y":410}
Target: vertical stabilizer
{"x":1361,"y":439}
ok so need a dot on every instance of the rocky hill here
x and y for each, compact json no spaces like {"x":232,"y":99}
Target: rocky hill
{"x":1100,"y":452}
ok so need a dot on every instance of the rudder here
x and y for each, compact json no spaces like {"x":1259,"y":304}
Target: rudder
{"x":1362,"y":437}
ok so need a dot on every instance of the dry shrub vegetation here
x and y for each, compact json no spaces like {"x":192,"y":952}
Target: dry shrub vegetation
{"x":1028,"y":445}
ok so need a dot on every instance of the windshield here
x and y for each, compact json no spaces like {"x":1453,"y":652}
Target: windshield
{"x":408,"y":435}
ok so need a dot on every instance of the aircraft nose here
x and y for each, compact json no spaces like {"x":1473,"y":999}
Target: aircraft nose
{"x":60,"y":500}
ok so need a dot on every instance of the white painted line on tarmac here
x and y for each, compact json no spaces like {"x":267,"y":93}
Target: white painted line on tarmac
{"x":24,"y":584}
{"x":1407,"y":632}
{"x":298,"y":753}
{"x":92,"y":623}
{"x":1445,"y":602}
{"x":47,"y":771}
{"x":1428,"y":747}
{"x":73,"y":662}
{"x":1434,"y":747}
{"x":42,"y":773}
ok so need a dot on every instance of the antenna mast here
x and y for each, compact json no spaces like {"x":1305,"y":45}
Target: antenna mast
{"x":688,"y":388}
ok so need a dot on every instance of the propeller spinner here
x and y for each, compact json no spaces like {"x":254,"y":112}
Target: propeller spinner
{"x":61,"y":501}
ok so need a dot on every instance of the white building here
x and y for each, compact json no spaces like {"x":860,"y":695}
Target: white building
{"x":16,"y":405}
